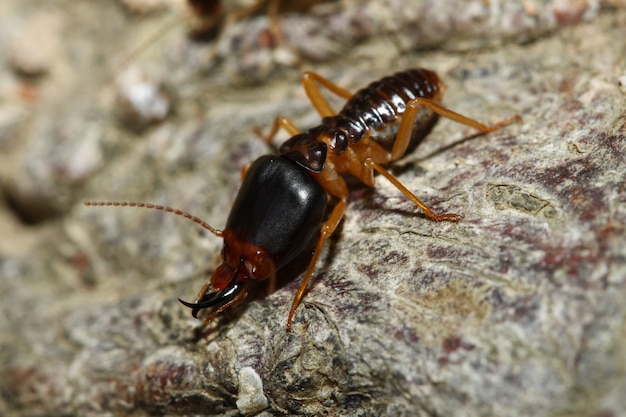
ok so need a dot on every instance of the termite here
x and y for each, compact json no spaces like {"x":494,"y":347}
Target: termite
{"x":281,"y":205}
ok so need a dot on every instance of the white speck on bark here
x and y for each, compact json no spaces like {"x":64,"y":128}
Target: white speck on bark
{"x":251,"y":398}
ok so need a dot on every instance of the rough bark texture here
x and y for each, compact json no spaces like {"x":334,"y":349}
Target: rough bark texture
{"x":519,"y":309}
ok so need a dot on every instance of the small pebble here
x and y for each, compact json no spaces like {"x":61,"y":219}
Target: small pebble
{"x":142,"y":99}
{"x":251,"y":398}
{"x":34,"y":48}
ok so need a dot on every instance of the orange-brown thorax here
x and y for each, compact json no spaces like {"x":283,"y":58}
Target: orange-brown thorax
{"x":241,"y":260}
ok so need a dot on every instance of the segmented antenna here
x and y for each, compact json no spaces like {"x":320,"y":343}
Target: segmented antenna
{"x":167,"y":209}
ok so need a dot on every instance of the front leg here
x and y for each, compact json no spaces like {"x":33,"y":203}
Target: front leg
{"x":336,"y":186}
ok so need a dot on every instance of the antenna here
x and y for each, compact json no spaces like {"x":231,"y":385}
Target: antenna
{"x":167,"y":209}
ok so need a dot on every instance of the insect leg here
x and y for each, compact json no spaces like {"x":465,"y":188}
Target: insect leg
{"x":336,"y":186}
{"x":280,"y":121}
{"x":309,"y":80}
{"x":327,"y":230}
{"x":407,"y":124}
{"x":244,"y":170}
{"x":449,"y":217}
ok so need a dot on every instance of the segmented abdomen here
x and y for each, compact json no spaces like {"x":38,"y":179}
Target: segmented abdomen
{"x":372,"y":111}
{"x":379,"y":106}
{"x":384,"y":101}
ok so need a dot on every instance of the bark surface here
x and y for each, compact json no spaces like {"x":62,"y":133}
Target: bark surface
{"x":519,"y":309}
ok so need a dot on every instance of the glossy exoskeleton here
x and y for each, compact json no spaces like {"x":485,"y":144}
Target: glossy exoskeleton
{"x":282,"y":203}
{"x":278,"y":210}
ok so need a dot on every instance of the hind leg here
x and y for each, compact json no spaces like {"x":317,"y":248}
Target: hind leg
{"x":407,"y":124}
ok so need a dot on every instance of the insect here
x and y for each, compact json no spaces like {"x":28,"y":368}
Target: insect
{"x":208,"y":20}
{"x":210,"y":14}
{"x":283,"y":200}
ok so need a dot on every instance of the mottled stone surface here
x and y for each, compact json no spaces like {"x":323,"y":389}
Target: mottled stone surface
{"x":519,"y":309}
